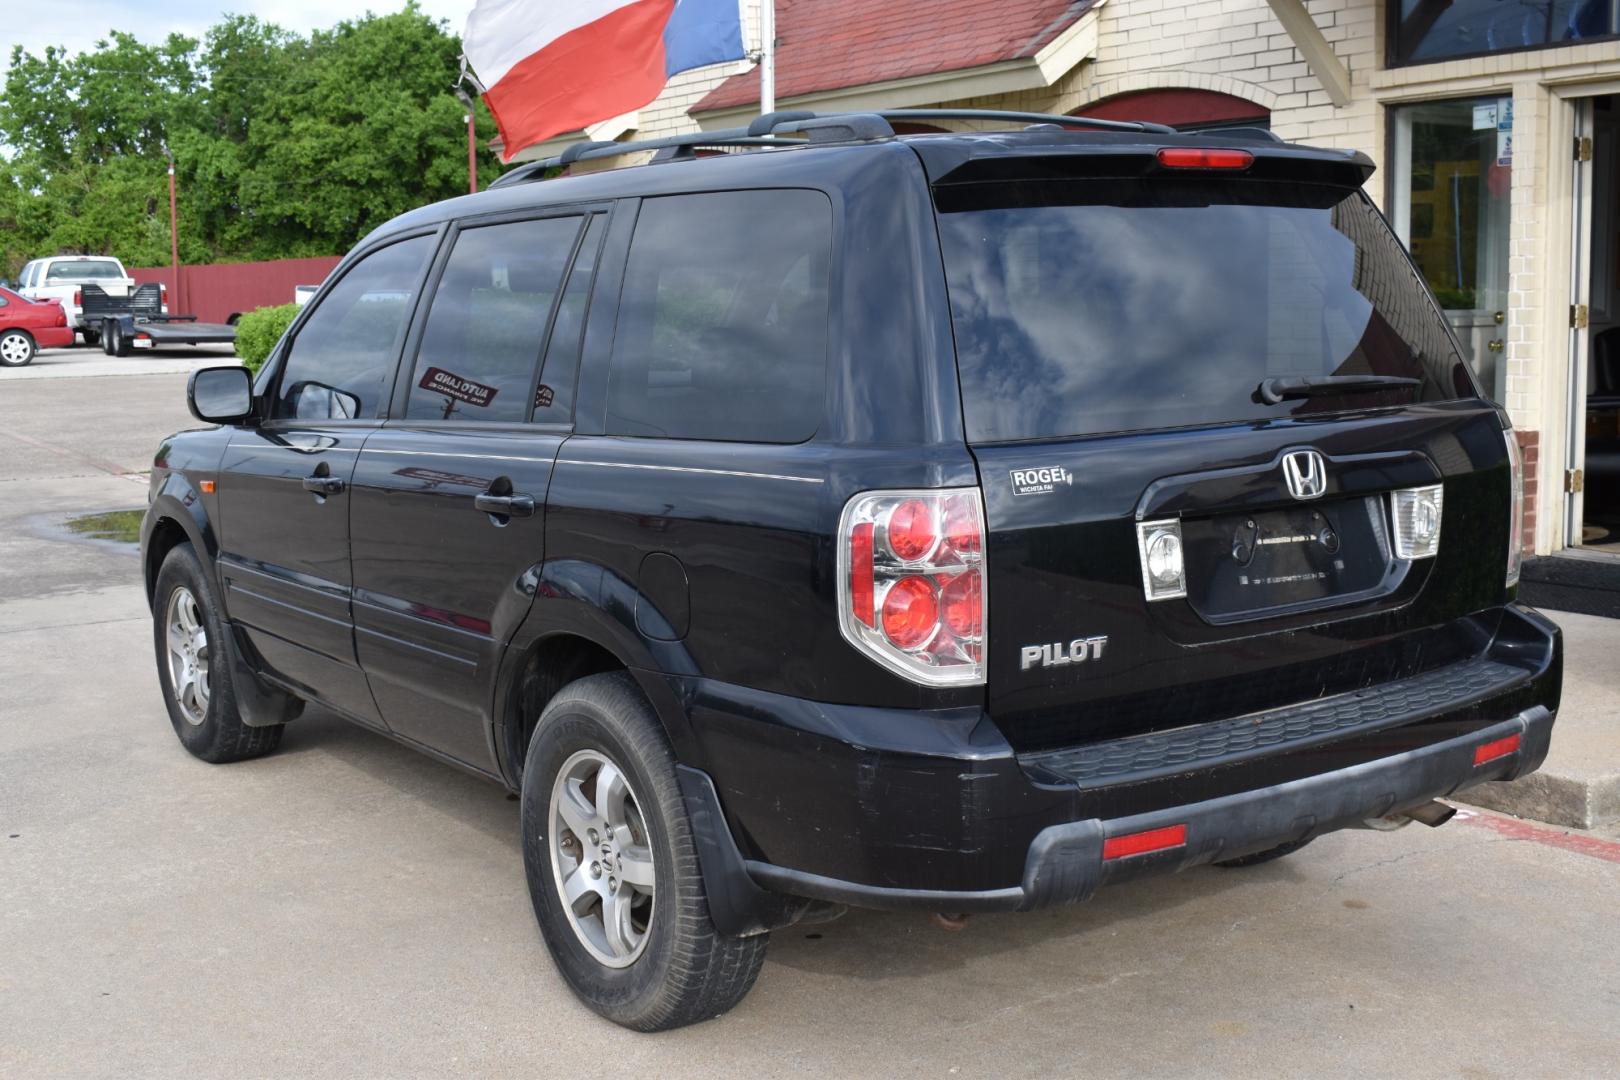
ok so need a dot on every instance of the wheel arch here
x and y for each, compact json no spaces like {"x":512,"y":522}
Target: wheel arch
{"x":175,"y":516}
{"x":582,"y":623}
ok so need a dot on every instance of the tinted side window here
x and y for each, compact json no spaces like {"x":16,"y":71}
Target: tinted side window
{"x":341,"y":363}
{"x":482,"y":341}
{"x":554,"y":397}
{"x":722,"y":328}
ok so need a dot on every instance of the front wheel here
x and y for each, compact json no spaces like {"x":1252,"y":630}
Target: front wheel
{"x":16,"y":349}
{"x":613,"y":874}
{"x":194,"y":665}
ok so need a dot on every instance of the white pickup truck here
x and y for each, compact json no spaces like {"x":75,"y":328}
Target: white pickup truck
{"x":60,"y":277}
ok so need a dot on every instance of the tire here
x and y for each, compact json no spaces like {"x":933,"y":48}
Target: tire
{"x":679,"y":969}
{"x":92,"y":338}
{"x":203,"y":710}
{"x":16,"y":349}
{"x":1263,"y":856}
{"x":119,"y":343}
{"x":106,"y":342}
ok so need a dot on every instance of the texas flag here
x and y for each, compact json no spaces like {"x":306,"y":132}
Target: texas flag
{"x":550,"y":66}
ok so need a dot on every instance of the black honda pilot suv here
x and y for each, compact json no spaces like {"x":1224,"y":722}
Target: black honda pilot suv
{"x":814,"y":516}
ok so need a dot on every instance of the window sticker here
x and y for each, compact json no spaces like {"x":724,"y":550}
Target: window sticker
{"x":456,"y":388}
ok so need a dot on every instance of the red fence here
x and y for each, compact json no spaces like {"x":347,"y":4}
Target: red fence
{"x":215,"y":292}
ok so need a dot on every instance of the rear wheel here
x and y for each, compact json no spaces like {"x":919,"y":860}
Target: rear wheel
{"x":117,"y":343}
{"x":194,"y":664}
{"x":612,"y":871}
{"x":16,"y":349}
{"x":1263,"y":856}
{"x":92,"y":338}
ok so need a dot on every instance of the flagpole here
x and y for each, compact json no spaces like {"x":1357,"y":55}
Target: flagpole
{"x":767,"y":56}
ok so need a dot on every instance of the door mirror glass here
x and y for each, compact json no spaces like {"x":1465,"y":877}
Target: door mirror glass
{"x":220,"y":395}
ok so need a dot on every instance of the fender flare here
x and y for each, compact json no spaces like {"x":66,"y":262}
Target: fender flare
{"x":577,"y":598}
{"x":260,"y":704}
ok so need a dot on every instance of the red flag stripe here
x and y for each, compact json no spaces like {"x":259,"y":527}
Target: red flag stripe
{"x":602,"y":69}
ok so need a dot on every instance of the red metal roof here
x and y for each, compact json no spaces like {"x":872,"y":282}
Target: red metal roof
{"x":831,"y":44}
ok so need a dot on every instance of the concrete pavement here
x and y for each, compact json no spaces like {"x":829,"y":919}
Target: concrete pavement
{"x":84,"y":362}
{"x":349,"y":908}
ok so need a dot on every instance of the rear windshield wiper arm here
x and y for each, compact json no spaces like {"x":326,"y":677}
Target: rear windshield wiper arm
{"x":1274,"y":391}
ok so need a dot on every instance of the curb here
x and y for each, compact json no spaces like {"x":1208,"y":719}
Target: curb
{"x":1572,"y":802}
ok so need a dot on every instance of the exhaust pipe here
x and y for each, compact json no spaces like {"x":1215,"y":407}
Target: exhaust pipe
{"x":1433,"y":813}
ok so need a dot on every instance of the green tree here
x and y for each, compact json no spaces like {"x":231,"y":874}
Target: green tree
{"x":283,"y":145}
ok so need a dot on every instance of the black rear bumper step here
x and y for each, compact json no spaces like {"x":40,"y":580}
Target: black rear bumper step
{"x":1225,"y":742}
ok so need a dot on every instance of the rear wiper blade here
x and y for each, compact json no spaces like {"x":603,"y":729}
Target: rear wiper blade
{"x":1274,"y":391}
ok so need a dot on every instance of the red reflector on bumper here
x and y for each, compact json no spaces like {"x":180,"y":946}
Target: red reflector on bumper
{"x":1119,"y":847}
{"x":1498,"y":748}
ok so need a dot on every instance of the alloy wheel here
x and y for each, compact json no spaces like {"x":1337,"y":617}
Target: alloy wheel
{"x":601,"y":858}
{"x":15,"y":349}
{"x":187,"y":636}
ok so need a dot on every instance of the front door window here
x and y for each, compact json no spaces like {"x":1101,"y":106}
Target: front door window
{"x":1452,"y":183}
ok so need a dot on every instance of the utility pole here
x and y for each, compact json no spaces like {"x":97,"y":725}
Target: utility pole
{"x":767,"y":56}
{"x":472,"y":123}
{"x":174,"y":236}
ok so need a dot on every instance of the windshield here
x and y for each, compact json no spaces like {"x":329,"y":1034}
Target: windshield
{"x":84,"y":270}
{"x":1083,"y":307}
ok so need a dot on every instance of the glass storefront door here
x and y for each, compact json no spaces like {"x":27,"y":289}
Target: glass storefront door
{"x":1451,"y":185}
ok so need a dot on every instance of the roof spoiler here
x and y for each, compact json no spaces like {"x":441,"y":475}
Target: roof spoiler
{"x":813,"y":127}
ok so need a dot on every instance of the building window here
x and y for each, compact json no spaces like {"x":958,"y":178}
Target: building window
{"x":1421,"y":31}
{"x":1450,"y":187}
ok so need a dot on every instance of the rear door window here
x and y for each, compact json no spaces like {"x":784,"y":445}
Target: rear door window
{"x":480,"y":349}
{"x":722,"y":330}
{"x":1096,"y":306}
{"x":341,"y":364}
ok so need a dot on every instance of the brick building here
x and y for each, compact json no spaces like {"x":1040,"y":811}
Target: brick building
{"x":1495,"y":124}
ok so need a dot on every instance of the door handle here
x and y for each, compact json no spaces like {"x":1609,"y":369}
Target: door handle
{"x":505,"y":505}
{"x":324,"y":485}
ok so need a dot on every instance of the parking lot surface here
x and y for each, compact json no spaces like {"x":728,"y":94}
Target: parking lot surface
{"x":349,"y":908}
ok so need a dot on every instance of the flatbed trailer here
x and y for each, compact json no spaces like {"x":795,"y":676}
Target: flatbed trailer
{"x":138,"y":321}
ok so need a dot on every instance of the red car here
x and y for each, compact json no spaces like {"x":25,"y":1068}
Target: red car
{"x":26,"y":326}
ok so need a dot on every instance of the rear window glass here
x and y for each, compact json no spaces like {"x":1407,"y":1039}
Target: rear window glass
{"x":722,"y":329}
{"x":1096,"y":306}
{"x":84,"y":270}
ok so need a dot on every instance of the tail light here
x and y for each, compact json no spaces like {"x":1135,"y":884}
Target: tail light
{"x":1515,"y":555}
{"x":163,"y":298}
{"x":911,"y":583}
{"x":78,"y":298}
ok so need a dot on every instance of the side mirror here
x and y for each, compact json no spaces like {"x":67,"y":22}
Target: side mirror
{"x":220,"y":395}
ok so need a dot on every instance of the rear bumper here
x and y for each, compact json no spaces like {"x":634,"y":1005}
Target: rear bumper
{"x":1066,"y":863}
{"x":820,"y":802}
{"x":52,"y":337}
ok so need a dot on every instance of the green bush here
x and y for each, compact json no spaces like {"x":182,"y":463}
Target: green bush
{"x":258,"y":331}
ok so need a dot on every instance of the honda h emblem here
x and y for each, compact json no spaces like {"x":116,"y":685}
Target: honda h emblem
{"x":1306,"y":474}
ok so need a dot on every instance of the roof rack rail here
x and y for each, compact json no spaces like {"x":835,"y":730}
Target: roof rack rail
{"x":591,"y":150}
{"x":816,"y":127}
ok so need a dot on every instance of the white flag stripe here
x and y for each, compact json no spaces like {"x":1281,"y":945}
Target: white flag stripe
{"x":502,"y":32}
